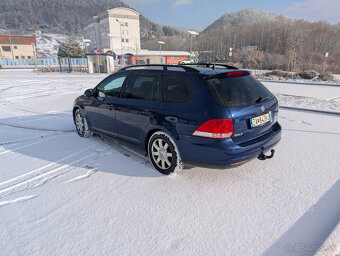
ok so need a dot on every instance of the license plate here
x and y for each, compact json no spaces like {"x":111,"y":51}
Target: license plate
{"x":259,"y":120}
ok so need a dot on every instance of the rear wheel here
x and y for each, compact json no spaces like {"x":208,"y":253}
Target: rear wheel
{"x":81,"y":124}
{"x":164,"y":154}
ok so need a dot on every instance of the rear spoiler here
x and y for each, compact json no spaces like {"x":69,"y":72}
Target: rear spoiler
{"x":230,"y":74}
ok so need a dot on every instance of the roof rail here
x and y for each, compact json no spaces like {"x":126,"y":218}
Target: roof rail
{"x":165,"y":67}
{"x":212,"y":65}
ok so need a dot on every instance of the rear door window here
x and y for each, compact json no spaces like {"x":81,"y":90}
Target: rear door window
{"x":238,"y":92}
{"x":175,"y":89}
{"x":142,"y":86}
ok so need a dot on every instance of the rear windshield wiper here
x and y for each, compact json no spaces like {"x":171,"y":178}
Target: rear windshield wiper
{"x":260,"y":99}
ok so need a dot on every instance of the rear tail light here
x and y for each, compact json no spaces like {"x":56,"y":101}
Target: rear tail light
{"x":237,"y":74}
{"x":215,"y":129}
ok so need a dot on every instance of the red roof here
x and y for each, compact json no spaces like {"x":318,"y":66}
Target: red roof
{"x":19,"y":40}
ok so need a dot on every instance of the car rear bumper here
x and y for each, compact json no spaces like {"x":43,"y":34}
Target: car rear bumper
{"x":214,"y":153}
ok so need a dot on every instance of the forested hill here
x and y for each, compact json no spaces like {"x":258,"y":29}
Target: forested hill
{"x":66,"y":16}
{"x":241,"y":17}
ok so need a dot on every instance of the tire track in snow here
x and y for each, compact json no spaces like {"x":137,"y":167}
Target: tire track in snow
{"x":36,"y":128}
{"x":61,"y":114}
{"x":15,"y":98}
{"x":45,"y":176}
{"x":81,"y":177}
{"x":25,"y":146}
{"x":17,"y":200}
{"x":30,"y":173}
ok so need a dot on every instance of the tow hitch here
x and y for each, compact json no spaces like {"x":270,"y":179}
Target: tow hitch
{"x":262,"y":156}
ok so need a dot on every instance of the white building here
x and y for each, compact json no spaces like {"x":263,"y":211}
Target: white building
{"x":123,"y":26}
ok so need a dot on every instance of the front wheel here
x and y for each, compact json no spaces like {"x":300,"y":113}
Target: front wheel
{"x":81,"y":124}
{"x":164,"y":154}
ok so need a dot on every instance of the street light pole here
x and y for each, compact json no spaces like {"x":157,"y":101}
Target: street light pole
{"x":192,"y":33}
{"x":160,"y":48}
{"x":121,"y":41}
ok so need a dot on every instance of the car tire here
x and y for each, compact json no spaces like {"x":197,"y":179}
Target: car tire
{"x":81,"y":124}
{"x":164,"y":154}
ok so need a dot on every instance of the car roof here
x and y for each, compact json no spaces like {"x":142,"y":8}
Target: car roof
{"x":205,"y":69}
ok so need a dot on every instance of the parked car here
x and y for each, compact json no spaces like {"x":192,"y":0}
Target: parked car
{"x":186,"y":61}
{"x":208,"y":116}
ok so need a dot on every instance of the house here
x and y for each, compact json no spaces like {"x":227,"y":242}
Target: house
{"x":17,"y":47}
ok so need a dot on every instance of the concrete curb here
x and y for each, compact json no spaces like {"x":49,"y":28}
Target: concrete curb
{"x":312,"y":110}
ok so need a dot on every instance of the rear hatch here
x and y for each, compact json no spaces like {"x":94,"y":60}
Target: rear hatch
{"x":252,"y":106}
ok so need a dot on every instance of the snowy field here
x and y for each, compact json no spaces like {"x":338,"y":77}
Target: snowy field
{"x":64,"y":195}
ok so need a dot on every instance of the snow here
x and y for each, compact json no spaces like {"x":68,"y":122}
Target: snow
{"x":315,"y":97}
{"x":322,"y":92}
{"x":65,"y":195}
{"x":48,"y":44}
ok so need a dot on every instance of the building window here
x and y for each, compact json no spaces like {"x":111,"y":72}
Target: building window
{"x":122,"y":24}
{"x":126,"y":32}
{"x":15,"y":47}
{"x":122,"y":32}
{"x":17,"y":57}
{"x":6,"y":48}
{"x":29,"y":57}
{"x":174,"y":58}
{"x":122,"y":40}
{"x":127,"y":40}
{"x":126,"y":24}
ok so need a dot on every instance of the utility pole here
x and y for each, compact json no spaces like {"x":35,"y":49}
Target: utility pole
{"x":10,"y":42}
{"x":31,"y":12}
{"x":35,"y":57}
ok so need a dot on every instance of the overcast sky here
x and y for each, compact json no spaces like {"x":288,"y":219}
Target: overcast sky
{"x":199,"y":14}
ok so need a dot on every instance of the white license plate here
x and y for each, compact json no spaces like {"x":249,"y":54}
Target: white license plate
{"x":259,"y":120}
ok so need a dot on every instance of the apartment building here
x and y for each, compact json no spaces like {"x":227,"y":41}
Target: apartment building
{"x":115,"y":29}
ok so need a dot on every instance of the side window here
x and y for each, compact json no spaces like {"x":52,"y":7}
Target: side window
{"x":175,"y":89}
{"x":111,"y":86}
{"x":142,"y":86}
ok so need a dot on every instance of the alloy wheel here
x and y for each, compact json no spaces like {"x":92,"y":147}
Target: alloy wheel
{"x":161,"y":154}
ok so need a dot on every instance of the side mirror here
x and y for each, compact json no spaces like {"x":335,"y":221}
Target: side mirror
{"x":89,"y":93}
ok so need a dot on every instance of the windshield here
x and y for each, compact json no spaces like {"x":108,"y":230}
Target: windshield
{"x":238,"y":91}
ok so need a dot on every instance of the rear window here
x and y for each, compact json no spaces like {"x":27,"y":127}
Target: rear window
{"x":238,"y":91}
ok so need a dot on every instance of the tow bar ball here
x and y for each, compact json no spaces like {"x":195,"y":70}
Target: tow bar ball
{"x":262,"y":156}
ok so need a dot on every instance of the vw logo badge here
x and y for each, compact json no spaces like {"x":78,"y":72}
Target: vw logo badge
{"x":263,"y":108}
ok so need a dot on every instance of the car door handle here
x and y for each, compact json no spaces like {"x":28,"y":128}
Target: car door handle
{"x":111,"y":106}
{"x":145,"y":112}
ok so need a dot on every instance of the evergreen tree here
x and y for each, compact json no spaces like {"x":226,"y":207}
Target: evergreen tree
{"x":70,"y":49}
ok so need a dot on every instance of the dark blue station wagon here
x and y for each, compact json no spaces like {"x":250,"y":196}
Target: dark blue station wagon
{"x":198,"y":115}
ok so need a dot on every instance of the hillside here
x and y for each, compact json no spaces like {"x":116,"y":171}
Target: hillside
{"x":66,"y":17}
{"x":239,"y":18}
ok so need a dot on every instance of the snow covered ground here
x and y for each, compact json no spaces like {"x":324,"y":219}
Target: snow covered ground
{"x":315,"y":97}
{"x":64,"y":195}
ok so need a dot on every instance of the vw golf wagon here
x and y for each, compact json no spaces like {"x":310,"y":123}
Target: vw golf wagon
{"x":198,"y":115}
